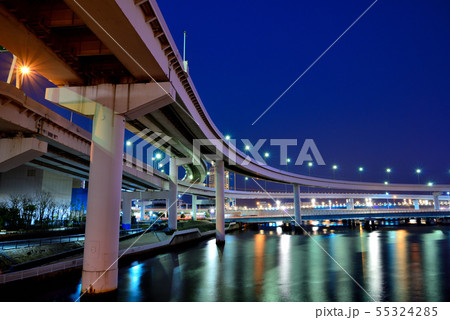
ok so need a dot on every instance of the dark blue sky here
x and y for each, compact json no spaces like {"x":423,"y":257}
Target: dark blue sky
{"x":379,"y":98}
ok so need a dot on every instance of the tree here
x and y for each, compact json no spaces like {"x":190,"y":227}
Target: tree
{"x":43,"y":202}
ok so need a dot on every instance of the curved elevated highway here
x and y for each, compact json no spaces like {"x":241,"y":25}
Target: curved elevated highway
{"x":116,"y":61}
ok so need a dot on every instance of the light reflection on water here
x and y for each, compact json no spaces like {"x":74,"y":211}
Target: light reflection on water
{"x":396,"y":264}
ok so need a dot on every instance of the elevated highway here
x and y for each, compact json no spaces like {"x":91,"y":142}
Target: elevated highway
{"x":116,"y":62}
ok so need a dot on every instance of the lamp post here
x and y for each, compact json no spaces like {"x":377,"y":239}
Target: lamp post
{"x":360,"y":170}
{"x":287,"y":162}
{"x":266,"y":155}
{"x":418,"y":171}
{"x":245,"y":183}
{"x":334,"y":171}
{"x":388,"y":171}
{"x":310,"y":164}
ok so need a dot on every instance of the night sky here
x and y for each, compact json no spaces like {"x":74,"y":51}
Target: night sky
{"x":379,"y":98}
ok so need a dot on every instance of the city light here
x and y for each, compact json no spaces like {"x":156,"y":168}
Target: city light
{"x":247,"y":148}
{"x":246,"y":178}
{"x":386,"y":182}
{"x":335,"y":167}
{"x":288,"y":160}
{"x":430,"y":184}
{"x":266,"y":155}
{"x":158,"y":156}
{"x":388,"y":170}
{"x":227,"y":137}
{"x":361,"y":169}
{"x":129,"y":143}
{"x":25,"y":70}
{"x":310,"y":164}
{"x":418,"y":171}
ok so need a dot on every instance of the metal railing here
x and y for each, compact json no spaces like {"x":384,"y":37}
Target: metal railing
{"x":20,"y":275}
{"x":6,"y":245}
{"x":15,"y":244}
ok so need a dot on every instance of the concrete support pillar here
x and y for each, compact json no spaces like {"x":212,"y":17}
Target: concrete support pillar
{"x":173,"y":194}
{"x":350,"y":204}
{"x":142,"y":210}
{"x":220,"y":201}
{"x":194,"y":207}
{"x":416,"y":204}
{"x":437,"y":206}
{"x":126,"y":213}
{"x":101,"y":246}
{"x":297,"y":205}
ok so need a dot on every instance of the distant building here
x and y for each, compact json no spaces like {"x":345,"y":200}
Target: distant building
{"x":212,"y":176}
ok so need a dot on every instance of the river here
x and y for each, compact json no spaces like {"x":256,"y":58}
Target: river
{"x":398,"y":263}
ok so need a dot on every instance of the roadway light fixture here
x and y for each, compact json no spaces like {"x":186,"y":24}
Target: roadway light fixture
{"x":360,"y":170}
{"x":247,"y":148}
{"x":24,"y":70}
{"x":245,"y":183}
{"x":158,"y":156}
{"x":388,"y":171}
{"x":288,"y":160}
{"x":430,"y":184}
{"x":227,"y":137}
{"x":334,"y":171}
{"x":418,"y":171}
{"x":266,"y":155}
{"x":129,"y":143}
{"x":386,"y":182}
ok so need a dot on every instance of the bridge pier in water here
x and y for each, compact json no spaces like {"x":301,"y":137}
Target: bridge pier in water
{"x":350,"y":204}
{"x":220,"y":201}
{"x":101,"y":247}
{"x":194,"y":207}
{"x":297,"y":205}
{"x":437,"y":206}
{"x":126,"y":213}
{"x":173,"y":194}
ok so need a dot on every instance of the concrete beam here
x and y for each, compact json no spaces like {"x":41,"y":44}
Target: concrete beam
{"x":131,"y":100}
{"x":18,"y":151}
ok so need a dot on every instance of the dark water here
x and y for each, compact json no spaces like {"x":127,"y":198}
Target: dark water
{"x":409,"y":263}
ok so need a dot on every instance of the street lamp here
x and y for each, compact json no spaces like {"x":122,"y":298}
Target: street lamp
{"x":266,"y":155}
{"x":310,"y":164}
{"x":227,"y":137}
{"x":388,"y":171}
{"x":245,"y":183}
{"x":288,"y":160}
{"x":334,"y":171}
{"x":418,"y":171}
{"x":430,"y":184}
{"x":360,"y":169}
